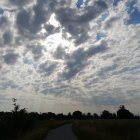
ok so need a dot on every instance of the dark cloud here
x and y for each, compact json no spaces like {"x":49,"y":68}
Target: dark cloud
{"x":78,"y":59}
{"x":7,"y":37}
{"x":41,"y":15}
{"x":50,"y":29}
{"x":74,"y":64}
{"x":109,"y":22}
{"x":29,"y":21}
{"x":32,"y":18}
{"x":60,"y":53}
{"x":97,"y":49}
{"x":46,"y":68}
{"x":81,"y":38}
{"x":36,"y":49}
{"x":3,"y":22}
{"x":19,"y":2}
{"x":78,"y":25}
{"x":10,"y":58}
{"x":69,"y":19}
{"x":23,"y":20}
{"x":93,"y":11}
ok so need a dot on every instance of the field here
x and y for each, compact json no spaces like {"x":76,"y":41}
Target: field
{"x":107,"y":129}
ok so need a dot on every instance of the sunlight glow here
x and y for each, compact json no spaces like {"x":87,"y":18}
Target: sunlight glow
{"x":53,"y":41}
{"x":53,"y":21}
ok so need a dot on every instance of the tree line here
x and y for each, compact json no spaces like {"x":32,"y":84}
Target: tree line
{"x":16,"y":113}
{"x":122,"y":113}
{"x":19,"y":120}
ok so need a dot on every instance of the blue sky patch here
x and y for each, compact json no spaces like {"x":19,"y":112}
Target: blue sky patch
{"x":80,"y":3}
{"x":116,"y":2}
{"x":103,"y":17}
{"x":100,"y":35}
{"x":134,"y":13}
{"x":27,"y":61}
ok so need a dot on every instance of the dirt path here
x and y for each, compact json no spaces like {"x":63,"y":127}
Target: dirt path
{"x":61,"y":133}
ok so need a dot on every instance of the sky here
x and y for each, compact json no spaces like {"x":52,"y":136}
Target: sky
{"x":66,"y":55}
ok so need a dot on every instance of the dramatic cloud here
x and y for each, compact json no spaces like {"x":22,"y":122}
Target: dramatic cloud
{"x":78,"y":59}
{"x":74,"y":22}
{"x":81,"y":54}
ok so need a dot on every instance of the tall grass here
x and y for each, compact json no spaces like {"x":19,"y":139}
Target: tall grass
{"x":107,"y":130}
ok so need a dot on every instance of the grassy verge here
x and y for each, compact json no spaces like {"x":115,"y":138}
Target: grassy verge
{"x":107,"y":130}
{"x":41,"y":129}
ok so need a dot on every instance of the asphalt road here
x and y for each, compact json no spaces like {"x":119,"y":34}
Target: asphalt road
{"x":61,"y":133}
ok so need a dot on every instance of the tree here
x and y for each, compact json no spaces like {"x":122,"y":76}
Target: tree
{"x":123,"y":113}
{"x":69,"y":116}
{"x":114,"y":116}
{"x":60,"y":116}
{"x":106,"y":115}
{"x":89,"y":116}
{"x":16,"y":107}
{"x":95,"y":116}
{"x":21,"y":119}
{"x":77,"y":115}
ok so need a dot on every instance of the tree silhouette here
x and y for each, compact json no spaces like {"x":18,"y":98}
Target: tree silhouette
{"x":16,"y":107}
{"x":89,"y":116}
{"x":21,"y":119}
{"x":106,"y":115}
{"x":123,"y":113}
{"x":77,"y":115}
{"x":95,"y":116}
{"x":69,"y":116}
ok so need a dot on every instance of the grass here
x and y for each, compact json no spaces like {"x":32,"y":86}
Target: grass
{"x":107,"y":130}
{"x":41,"y":129}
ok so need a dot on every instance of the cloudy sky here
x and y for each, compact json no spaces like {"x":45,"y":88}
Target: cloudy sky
{"x":66,"y":55}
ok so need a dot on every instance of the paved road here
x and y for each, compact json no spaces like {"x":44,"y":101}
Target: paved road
{"x":61,"y":133}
